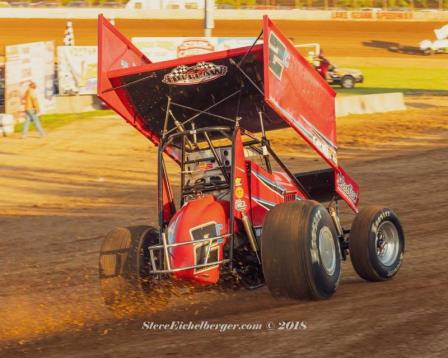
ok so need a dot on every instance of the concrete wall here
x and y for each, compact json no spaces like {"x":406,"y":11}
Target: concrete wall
{"x":76,"y":104}
{"x":221,"y":14}
{"x":370,"y":103}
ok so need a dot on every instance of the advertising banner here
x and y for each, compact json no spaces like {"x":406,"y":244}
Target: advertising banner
{"x":77,"y":67}
{"x":25,"y":63}
{"x":168,"y":48}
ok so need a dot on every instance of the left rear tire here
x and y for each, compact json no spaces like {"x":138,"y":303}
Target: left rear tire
{"x":124,"y":266}
{"x":300,"y":251}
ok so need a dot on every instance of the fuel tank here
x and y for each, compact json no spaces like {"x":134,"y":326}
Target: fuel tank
{"x":199,"y":219}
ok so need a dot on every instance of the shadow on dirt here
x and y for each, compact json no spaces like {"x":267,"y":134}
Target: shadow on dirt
{"x":406,"y":91}
{"x":395,"y":47}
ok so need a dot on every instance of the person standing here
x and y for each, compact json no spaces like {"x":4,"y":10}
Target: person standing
{"x":32,"y":110}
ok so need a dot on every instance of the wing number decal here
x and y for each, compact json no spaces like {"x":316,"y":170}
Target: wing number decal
{"x":278,"y":56}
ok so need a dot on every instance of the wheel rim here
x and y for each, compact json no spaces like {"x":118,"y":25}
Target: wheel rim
{"x":348,"y":82}
{"x":387,"y":243}
{"x":327,"y":250}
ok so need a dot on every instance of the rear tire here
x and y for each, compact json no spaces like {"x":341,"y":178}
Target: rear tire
{"x":300,"y":251}
{"x":376,"y":244}
{"x":124,"y":266}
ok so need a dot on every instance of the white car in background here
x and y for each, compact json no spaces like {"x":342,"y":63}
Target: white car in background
{"x":432,"y":47}
{"x":440,"y":45}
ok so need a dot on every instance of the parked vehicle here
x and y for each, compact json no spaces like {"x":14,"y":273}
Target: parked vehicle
{"x":335,"y":76}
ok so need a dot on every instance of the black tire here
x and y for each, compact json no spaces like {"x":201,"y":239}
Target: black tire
{"x":124,"y":266}
{"x":291,"y":251}
{"x":376,"y":243}
{"x":348,"y":82}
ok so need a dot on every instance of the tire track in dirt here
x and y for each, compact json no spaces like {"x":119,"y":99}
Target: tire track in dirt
{"x":50,"y":302}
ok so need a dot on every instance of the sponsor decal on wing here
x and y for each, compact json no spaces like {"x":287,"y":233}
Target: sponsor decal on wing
{"x":192,"y":75}
{"x":323,"y":145}
{"x":278,"y":56}
{"x":347,"y":189}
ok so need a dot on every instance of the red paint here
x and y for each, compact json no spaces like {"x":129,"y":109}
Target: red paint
{"x":267,"y":188}
{"x":194,"y":214}
{"x":115,"y":51}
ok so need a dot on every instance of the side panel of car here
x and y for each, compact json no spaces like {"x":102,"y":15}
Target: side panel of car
{"x":267,"y":190}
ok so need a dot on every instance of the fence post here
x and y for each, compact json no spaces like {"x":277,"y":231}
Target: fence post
{"x":209,"y":20}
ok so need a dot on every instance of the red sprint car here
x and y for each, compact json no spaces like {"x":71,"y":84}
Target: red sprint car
{"x":237,"y":211}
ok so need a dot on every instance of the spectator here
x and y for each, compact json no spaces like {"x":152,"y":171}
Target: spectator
{"x":32,"y":110}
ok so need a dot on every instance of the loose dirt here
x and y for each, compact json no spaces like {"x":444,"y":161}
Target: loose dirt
{"x":338,"y":38}
{"x":60,"y":194}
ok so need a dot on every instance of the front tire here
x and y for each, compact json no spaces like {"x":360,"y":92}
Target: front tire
{"x":376,"y":244}
{"x":300,"y":251}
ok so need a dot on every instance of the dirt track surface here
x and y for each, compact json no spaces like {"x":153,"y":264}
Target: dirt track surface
{"x":60,"y":194}
{"x":338,"y":38}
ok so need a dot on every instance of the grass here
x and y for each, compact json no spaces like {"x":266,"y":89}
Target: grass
{"x":409,"y":80}
{"x":53,"y":121}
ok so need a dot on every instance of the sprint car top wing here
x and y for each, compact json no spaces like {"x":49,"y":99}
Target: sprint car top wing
{"x":304,"y":100}
{"x":220,"y":88}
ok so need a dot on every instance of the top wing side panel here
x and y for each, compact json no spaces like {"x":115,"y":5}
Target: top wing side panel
{"x":294,"y":89}
{"x":115,"y":52}
{"x":305,"y":101}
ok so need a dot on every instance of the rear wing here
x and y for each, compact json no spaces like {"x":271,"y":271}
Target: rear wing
{"x":223,"y":87}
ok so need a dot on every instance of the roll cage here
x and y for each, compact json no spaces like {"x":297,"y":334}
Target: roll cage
{"x":186,"y":144}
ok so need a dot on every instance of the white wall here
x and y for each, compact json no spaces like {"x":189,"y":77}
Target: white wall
{"x":164,"y":4}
